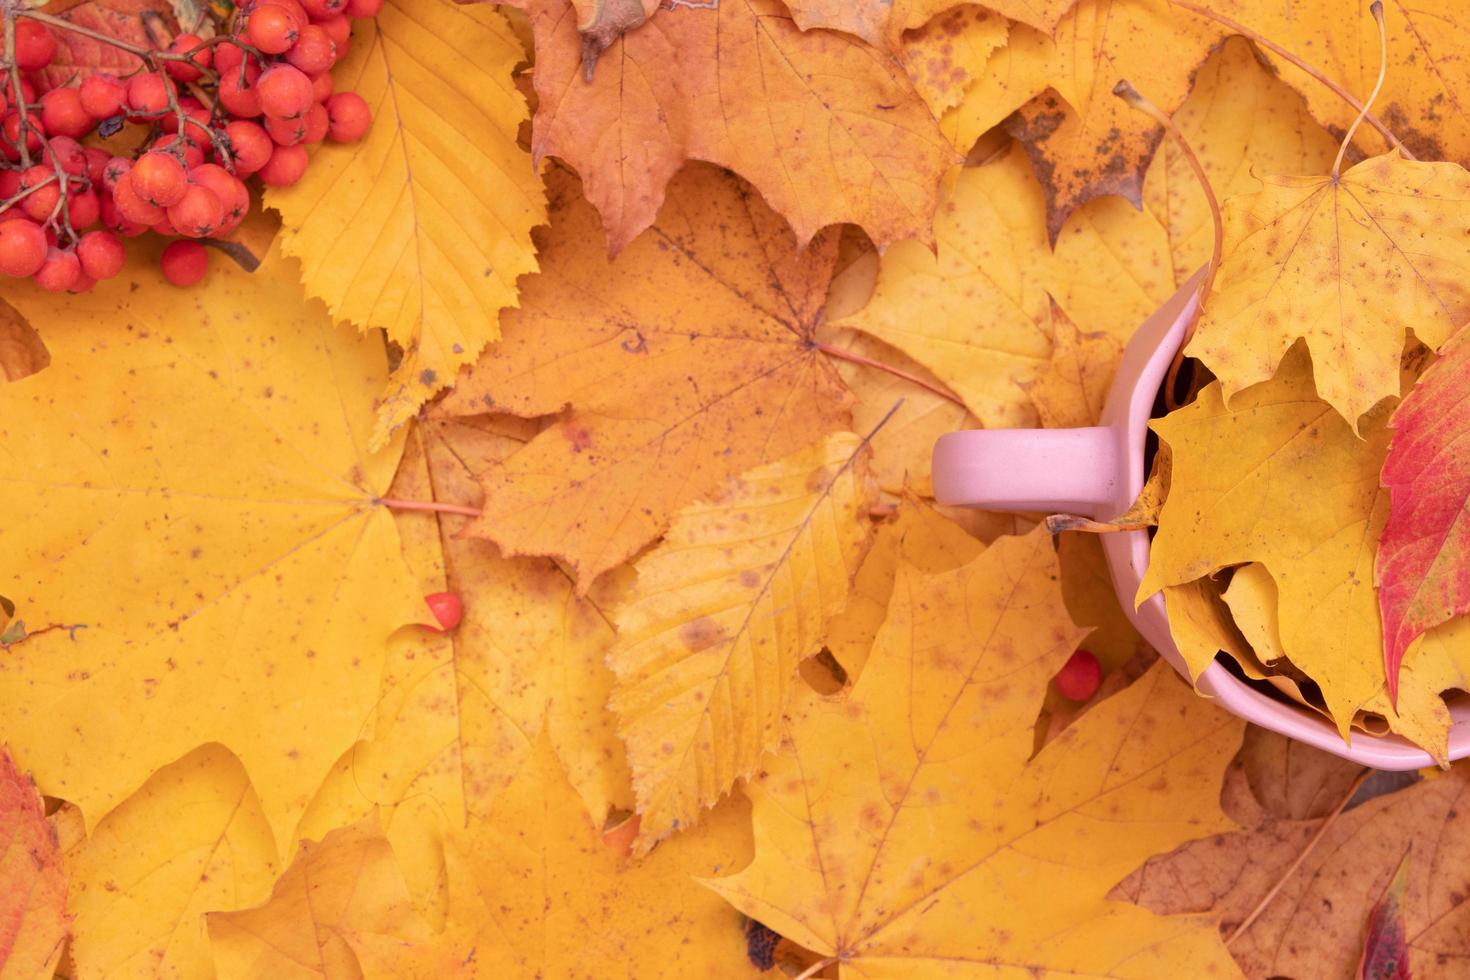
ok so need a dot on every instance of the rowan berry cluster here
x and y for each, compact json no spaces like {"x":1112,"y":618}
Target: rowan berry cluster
{"x":215,"y":110}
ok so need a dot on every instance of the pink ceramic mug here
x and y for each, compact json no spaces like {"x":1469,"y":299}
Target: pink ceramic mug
{"x":1097,"y":472}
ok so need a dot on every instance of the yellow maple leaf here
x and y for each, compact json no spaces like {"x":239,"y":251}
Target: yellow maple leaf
{"x":1115,"y":264}
{"x":1071,"y":389}
{"x":1278,"y":478}
{"x":825,"y":127}
{"x":459,"y":713}
{"x":535,"y":891}
{"x":423,"y":227}
{"x":1083,"y":140}
{"x":686,"y":360}
{"x":194,"y":539}
{"x":1013,"y":74}
{"x":977,"y":314}
{"x":934,"y":844}
{"x":734,"y":597}
{"x":1349,"y":264}
{"x":194,"y":838}
{"x":348,"y":879}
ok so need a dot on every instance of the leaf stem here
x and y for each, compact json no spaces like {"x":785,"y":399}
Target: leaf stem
{"x":430,"y":505}
{"x":1377,"y":11}
{"x":1278,"y":50}
{"x":1327,"y":822}
{"x":846,"y":355}
{"x":815,"y":968}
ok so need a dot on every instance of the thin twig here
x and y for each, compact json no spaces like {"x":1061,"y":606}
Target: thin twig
{"x":1277,"y":49}
{"x":847,"y":355}
{"x":430,"y":505}
{"x":1301,"y":856}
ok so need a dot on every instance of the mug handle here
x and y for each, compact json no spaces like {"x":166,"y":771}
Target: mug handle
{"x":1072,"y":470}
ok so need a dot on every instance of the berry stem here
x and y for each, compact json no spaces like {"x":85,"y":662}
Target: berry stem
{"x":429,"y":505}
{"x":1278,"y":50}
{"x":243,"y":257}
{"x":22,"y":130}
{"x":847,"y":355}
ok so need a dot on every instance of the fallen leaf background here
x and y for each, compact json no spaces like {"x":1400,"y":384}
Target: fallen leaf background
{"x":632,"y":324}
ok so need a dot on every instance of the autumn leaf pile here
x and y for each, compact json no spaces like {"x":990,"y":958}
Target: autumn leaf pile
{"x":631,"y":324}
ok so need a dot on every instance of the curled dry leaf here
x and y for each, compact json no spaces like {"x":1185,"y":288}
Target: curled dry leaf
{"x":737,"y":594}
{"x":22,"y":353}
{"x":78,"y":56}
{"x":215,"y":530}
{"x":976,"y":314}
{"x":534,"y":891}
{"x":194,"y":838}
{"x":685,"y":361}
{"x":1348,"y":264}
{"x":1317,"y":924}
{"x":34,"y":924}
{"x":441,"y":196}
{"x":888,"y":863}
{"x":825,"y":127}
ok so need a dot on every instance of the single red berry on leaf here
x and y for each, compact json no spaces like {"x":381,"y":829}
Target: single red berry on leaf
{"x":102,"y":95}
{"x":348,"y":117}
{"x":184,"y":263}
{"x":447,"y":609}
{"x":22,"y":248}
{"x":1079,"y":677}
{"x":59,"y":271}
{"x":35,"y":45}
{"x":101,"y":254}
{"x":63,"y":114}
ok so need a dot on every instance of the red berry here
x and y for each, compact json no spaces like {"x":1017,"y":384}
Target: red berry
{"x":285,"y":167}
{"x":285,"y":92}
{"x":102,"y":95}
{"x":321,"y":86}
{"x":193,"y":154}
{"x":96,"y":160}
{"x":188,"y":71}
{"x":198,"y":213}
{"x":102,"y":254}
{"x":148,"y":94}
{"x":132,"y":206}
{"x":272,"y":28}
{"x":159,"y":178}
{"x":314,"y":51}
{"x":227,"y":56}
{"x":113,"y":172}
{"x":83,"y":284}
{"x":250,"y":146}
{"x":232,"y":194}
{"x":22,"y":247}
{"x":10,"y":134}
{"x":35,"y":45}
{"x":447,"y":609}
{"x":59,"y":271}
{"x":112,"y":218}
{"x":62,"y":112}
{"x":27,"y":91}
{"x":40,"y":202}
{"x":319,"y":10}
{"x":286,"y":132}
{"x":349,"y":117}
{"x":339,"y":29}
{"x":238,"y":94}
{"x":184,"y":263}
{"x":317,"y":123}
{"x":68,"y":154}
{"x":83,"y":209}
{"x":363,"y":8}
{"x":196,"y":121}
{"x":1079,"y":677}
